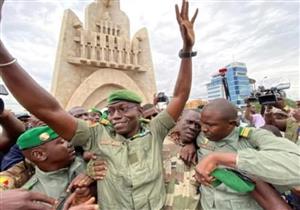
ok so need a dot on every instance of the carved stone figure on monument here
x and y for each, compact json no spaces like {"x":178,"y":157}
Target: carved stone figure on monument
{"x":103,"y":49}
{"x":111,"y":47}
{"x":135,"y":51}
{"x":128,"y":54}
{"x":120,"y":51}
{"x":83,"y":48}
{"x":76,"y":52}
{"x":106,"y":21}
{"x":94,"y":47}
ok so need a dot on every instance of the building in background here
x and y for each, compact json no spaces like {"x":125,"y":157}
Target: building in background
{"x":238,"y":84}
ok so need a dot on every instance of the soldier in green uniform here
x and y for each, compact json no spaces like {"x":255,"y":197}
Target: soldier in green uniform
{"x":55,"y":163}
{"x":290,"y":126}
{"x":254,"y":152}
{"x":133,"y":152}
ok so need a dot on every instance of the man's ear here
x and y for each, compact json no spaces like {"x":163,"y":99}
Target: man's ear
{"x":38,"y":155}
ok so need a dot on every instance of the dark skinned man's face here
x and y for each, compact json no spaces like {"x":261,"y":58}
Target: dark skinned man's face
{"x":124,"y":117}
{"x":150,"y":113}
{"x":59,"y":151}
{"x":214,"y":127}
{"x":189,"y":126}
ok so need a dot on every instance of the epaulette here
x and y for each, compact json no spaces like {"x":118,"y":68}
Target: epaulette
{"x":245,"y":132}
{"x":29,"y":185}
{"x":104,"y":122}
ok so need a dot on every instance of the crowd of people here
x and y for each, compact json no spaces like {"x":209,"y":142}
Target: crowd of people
{"x":131,"y":155}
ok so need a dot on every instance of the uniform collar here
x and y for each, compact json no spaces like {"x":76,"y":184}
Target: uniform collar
{"x":143,"y":131}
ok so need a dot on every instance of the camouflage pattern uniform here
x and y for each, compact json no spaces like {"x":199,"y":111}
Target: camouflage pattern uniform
{"x":181,"y":186}
{"x":16,"y":176}
{"x":292,"y":129}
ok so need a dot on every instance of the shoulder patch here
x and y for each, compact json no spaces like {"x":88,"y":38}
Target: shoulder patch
{"x":104,"y":122}
{"x":6,"y":182}
{"x":245,"y":132}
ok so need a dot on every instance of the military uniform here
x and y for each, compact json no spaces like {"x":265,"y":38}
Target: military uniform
{"x":292,"y":129}
{"x":257,"y":150}
{"x":181,"y":186}
{"x":16,"y":176}
{"x":134,"y":179}
{"x":55,"y":183}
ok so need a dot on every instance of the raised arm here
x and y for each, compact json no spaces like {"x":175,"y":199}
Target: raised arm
{"x":12,"y":128}
{"x":32,"y":96}
{"x":184,"y":79}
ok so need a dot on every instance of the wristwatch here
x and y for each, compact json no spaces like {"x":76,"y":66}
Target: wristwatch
{"x":187,"y":54}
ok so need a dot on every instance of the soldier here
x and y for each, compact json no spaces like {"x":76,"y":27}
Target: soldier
{"x":132,"y":150}
{"x":79,"y":112}
{"x":149,"y":111}
{"x":254,"y":152}
{"x":55,"y":164}
{"x":291,"y":125}
{"x":181,"y":186}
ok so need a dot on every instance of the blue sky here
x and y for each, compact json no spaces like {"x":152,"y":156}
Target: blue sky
{"x":262,"y":34}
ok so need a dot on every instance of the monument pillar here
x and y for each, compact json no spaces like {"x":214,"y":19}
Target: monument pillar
{"x":99,"y":56}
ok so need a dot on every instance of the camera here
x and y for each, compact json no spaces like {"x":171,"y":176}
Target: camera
{"x":161,"y":97}
{"x":268,"y":96}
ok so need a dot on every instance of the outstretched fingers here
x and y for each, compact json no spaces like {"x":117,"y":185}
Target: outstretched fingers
{"x":178,"y":17}
{"x":194,"y":17}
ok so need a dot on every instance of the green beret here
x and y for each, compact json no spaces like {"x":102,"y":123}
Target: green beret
{"x":123,"y":95}
{"x":232,"y":180}
{"x":35,"y":137}
{"x":95,"y":110}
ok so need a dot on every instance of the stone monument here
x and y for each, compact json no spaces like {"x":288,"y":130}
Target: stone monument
{"x":98,"y":57}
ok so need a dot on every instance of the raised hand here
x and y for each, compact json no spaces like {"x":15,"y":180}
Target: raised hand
{"x":186,"y":25}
